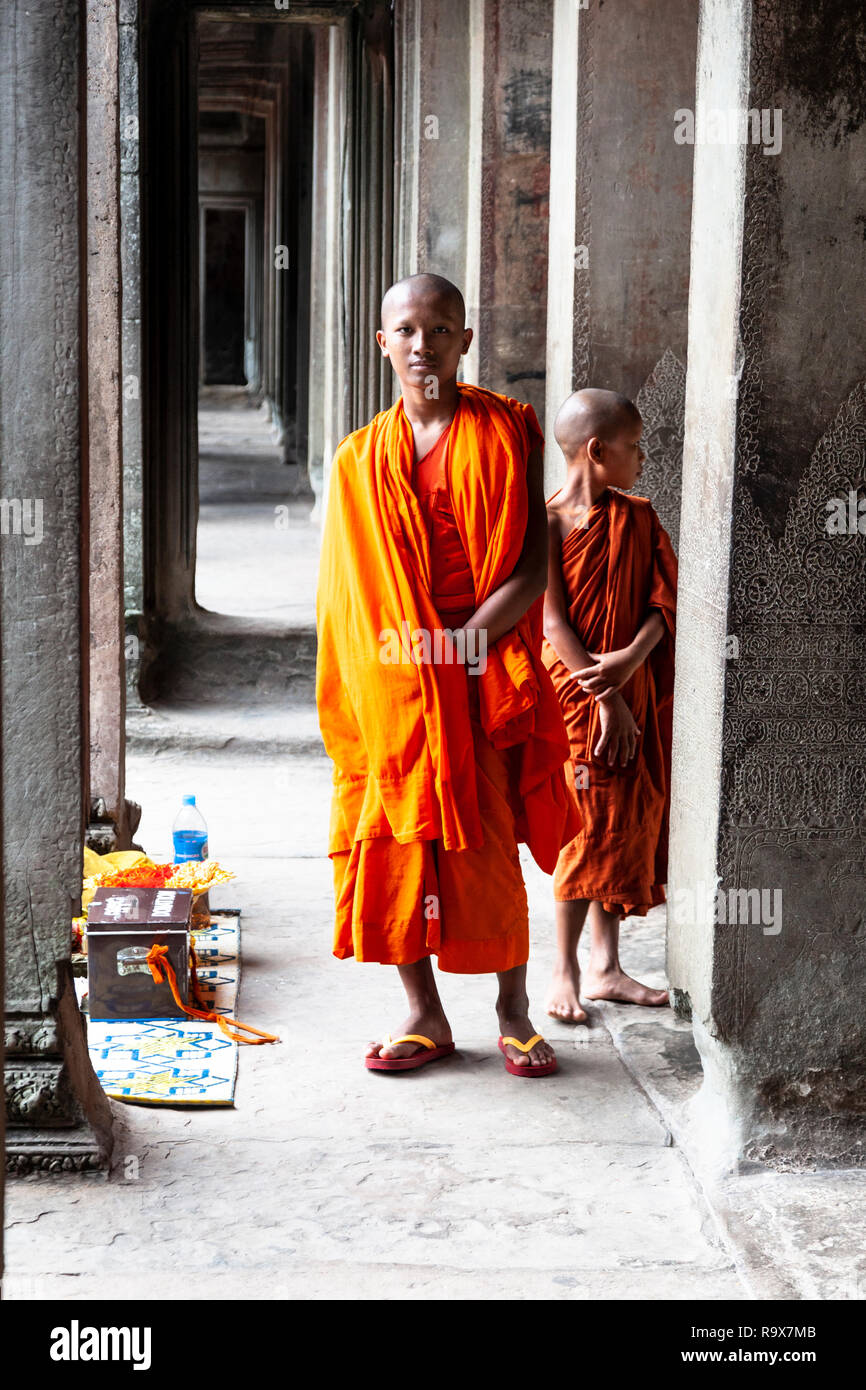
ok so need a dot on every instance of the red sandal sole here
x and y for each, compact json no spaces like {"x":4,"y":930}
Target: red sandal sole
{"x":421,"y":1059}
{"x":530,"y":1072}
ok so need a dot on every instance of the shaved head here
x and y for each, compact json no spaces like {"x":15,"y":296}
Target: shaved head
{"x":592,"y":412}
{"x":423,"y":287}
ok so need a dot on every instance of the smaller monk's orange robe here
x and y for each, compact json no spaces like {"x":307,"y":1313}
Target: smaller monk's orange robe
{"x":617,"y":566}
{"x":438,"y":772}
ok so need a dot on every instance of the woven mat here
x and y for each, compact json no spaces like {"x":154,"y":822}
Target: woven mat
{"x":170,"y":1061}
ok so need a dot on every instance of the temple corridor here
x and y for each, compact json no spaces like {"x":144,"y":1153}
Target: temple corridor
{"x":204,"y":203}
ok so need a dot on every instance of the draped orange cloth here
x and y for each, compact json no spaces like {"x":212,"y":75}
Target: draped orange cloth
{"x":616,"y":566}
{"x":438,"y":772}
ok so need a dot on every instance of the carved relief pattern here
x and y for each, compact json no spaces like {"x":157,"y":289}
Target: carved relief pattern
{"x":31,"y":1035}
{"x":662,"y":404}
{"x":794,"y":769}
{"x":52,"y":1161}
{"x":39,"y":1096}
{"x":795,"y":706}
{"x":796,"y":696}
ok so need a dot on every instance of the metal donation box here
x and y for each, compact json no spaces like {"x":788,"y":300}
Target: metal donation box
{"x":122,"y":925}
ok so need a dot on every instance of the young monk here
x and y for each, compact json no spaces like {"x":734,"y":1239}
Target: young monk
{"x":435,"y":551}
{"x":609,"y":635}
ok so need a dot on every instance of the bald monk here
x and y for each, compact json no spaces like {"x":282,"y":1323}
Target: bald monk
{"x":444,"y":728}
{"x":609,"y":617}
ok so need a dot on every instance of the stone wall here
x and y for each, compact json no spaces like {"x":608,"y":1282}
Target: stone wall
{"x":776,"y":429}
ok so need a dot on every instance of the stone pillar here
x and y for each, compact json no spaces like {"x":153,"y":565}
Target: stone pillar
{"x":108,"y":828}
{"x":620,"y":74}
{"x":562,"y":257}
{"x":57,"y":1115}
{"x":515,"y":185}
{"x":368,"y":209}
{"x":473,"y":119}
{"x":327,"y":414}
{"x":770,"y":732}
{"x":433,"y":44}
{"x":439,"y":96}
{"x":130,"y":284}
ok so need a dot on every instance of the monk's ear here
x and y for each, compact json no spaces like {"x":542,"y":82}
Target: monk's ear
{"x":467,"y":339}
{"x":595,"y":449}
{"x":382,"y":341}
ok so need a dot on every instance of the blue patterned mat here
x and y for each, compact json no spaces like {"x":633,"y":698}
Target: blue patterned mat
{"x":172,"y":1061}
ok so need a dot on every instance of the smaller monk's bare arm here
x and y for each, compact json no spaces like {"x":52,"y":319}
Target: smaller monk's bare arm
{"x":557,"y":629}
{"x":607,"y":672}
{"x":648,"y":635}
{"x":504,"y":608}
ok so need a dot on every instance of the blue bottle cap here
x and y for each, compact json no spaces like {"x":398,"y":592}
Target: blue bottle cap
{"x":189,"y":801}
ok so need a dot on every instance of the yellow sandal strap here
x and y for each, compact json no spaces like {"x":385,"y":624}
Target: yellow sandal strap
{"x":410,"y":1037}
{"x":527,"y":1046}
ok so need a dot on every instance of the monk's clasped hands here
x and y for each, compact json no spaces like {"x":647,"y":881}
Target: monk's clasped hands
{"x":610,"y":673}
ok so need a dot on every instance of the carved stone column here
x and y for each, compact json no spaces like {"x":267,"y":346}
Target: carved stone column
{"x":767,"y":886}
{"x":57,"y":1115}
{"x":109,"y":825}
{"x":130,"y":283}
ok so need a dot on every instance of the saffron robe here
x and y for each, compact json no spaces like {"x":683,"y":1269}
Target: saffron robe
{"x":437,"y":772}
{"x":616,"y":566}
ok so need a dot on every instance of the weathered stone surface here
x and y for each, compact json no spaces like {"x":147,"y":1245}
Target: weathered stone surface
{"x":515,"y":185}
{"x":106,"y":668}
{"x":627,"y":276}
{"x":40,"y":595}
{"x":778,"y":726}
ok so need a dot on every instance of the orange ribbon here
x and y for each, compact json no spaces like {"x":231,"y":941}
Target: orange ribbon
{"x":162,"y":969}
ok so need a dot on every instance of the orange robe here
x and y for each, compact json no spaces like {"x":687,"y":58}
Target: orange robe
{"x":617,"y":566}
{"x":437,"y":772}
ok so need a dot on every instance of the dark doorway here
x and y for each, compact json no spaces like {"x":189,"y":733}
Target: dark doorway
{"x":266,"y":212}
{"x":224,"y":256}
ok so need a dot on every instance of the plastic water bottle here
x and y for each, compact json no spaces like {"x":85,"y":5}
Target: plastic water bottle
{"x":189,"y":833}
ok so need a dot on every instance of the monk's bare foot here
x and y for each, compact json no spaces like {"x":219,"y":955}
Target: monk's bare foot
{"x":621,"y":989}
{"x":433,"y":1025}
{"x":519,"y":1026}
{"x":564,"y":1001}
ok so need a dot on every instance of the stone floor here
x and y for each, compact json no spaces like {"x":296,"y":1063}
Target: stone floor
{"x":256,"y":552}
{"x":455,"y":1182}
{"x":329,"y":1181}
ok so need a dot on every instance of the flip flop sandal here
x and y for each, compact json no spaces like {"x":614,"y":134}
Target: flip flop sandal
{"x":420,"y":1059}
{"x":545,"y":1069}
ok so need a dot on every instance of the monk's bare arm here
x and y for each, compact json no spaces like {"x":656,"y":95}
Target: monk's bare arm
{"x":648,"y":635}
{"x":608,"y":672}
{"x":504,"y":608}
{"x":557,"y":629}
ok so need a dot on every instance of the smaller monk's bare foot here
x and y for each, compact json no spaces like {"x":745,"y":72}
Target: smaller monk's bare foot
{"x":517,"y":1025}
{"x":621,"y":989}
{"x":564,"y":1001}
{"x":431,"y":1024}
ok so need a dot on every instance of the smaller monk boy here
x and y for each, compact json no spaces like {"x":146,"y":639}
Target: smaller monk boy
{"x":609,"y":616}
